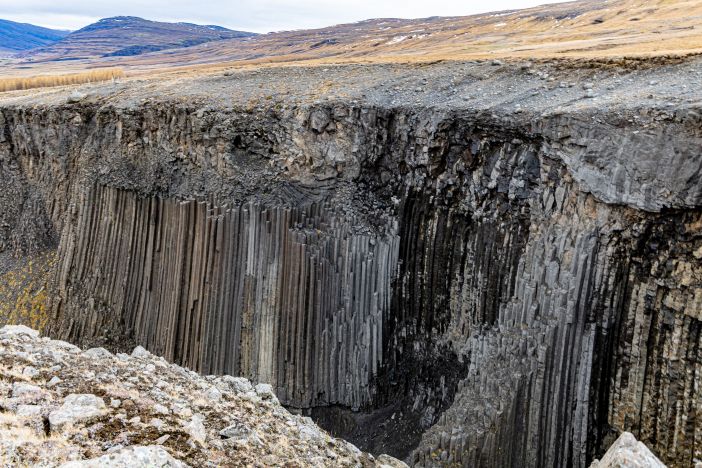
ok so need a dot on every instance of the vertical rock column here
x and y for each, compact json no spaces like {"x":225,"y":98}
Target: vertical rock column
{"x":601,"y":335}
{"x":291,"y":296}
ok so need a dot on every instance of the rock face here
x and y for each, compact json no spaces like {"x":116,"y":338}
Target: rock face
{"x":286,"y":292}
{"x":144,"y":412}
{"x":457,"y":285}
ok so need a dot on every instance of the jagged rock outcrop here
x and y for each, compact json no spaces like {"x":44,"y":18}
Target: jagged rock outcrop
{"x":65,"y":407}
{"x":490,"y":287}
{"x":627,"y":452}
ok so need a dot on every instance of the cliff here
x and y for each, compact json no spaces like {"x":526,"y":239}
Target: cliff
{"x":457,"y":263}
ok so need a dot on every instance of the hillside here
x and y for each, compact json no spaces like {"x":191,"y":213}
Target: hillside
{"x":126,"y":36}
{"x":16,"y":37}
{"x":588,"y":28}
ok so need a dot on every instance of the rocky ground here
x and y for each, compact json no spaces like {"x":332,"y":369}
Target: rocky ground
{"x":61,"y":406}
{"x":511,"y":86}
{"x":628,"y":452}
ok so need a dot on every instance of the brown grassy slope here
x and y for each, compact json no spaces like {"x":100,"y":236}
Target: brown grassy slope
{"x":587,"y":28}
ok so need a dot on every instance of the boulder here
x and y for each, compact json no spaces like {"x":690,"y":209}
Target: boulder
{"x":238,"y":385}
{"x":265,"y":391}
{"x":99,"y":353}
{"x":140,"y":352}
{"x":77,"y":407}
{"x":235,"y":431}
{"x":627,"y":452}
{"x":26,"y":392}
{"x":75,"y":97}
{"x":151,"y":456}
{"x":386,"y":461}
{"x":196,"y":428}
{"x":14,"y":330}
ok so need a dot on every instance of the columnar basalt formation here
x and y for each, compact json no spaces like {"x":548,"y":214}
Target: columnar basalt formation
{"x":592,"y":315}
{"x":290,"y":296}
{"x":466,"y":286}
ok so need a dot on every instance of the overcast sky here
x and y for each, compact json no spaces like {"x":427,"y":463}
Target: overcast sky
{"x":249,"y":15}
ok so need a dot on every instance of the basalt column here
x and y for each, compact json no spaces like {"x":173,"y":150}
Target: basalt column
{"x":294,"y":296}
{"x":510,"y":288}
{"x":601,"y":334}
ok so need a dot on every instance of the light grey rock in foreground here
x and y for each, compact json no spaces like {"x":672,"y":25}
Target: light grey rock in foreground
{"x":235,"y":431}
{"x":131,"y":457}
{"x":25,"y":391}
{"x":140,"y":352}
{"x":18,"y":330}
{"x":144,"y":412}
{"x":265,"y":391}
{"x":77,"y":407}
{"x":196,"y":428}
{"x":386,"y":461}
{"x":627,"y":452}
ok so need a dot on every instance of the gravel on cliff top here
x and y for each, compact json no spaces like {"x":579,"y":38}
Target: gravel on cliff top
{"x":517,"y":87}
{"x":61,"y":406}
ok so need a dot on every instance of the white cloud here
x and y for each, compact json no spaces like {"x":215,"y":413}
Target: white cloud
{"x":250,"y":15}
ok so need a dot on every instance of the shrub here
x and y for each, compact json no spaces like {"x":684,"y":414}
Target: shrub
{"x":44,"y":81}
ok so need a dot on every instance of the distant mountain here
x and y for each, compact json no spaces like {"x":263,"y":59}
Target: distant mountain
{"x":17,"y":37}
{"x":587,"y":28}
{"x":128,"y":35}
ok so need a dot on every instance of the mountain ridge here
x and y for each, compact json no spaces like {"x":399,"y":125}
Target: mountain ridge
{"x":129,"y":36}
{"x":17,"y":37}
{"x":587,"y":28}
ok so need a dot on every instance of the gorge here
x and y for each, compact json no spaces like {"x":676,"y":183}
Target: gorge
{"x":494,"y":268}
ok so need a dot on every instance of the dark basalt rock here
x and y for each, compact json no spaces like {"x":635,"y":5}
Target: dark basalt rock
{"x":452,"y":287}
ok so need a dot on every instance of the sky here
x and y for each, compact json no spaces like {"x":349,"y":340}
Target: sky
{"x":248,"y":15}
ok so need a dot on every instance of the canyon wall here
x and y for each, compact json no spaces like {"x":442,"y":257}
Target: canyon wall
{"x":286,"y":295}
{"x":495,"y":290}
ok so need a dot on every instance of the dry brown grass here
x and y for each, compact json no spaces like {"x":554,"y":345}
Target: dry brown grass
{"x":587,"y":29}
{"x":45,"y":81}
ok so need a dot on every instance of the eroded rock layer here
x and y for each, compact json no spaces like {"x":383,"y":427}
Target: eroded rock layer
{"x":452,"y":286}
